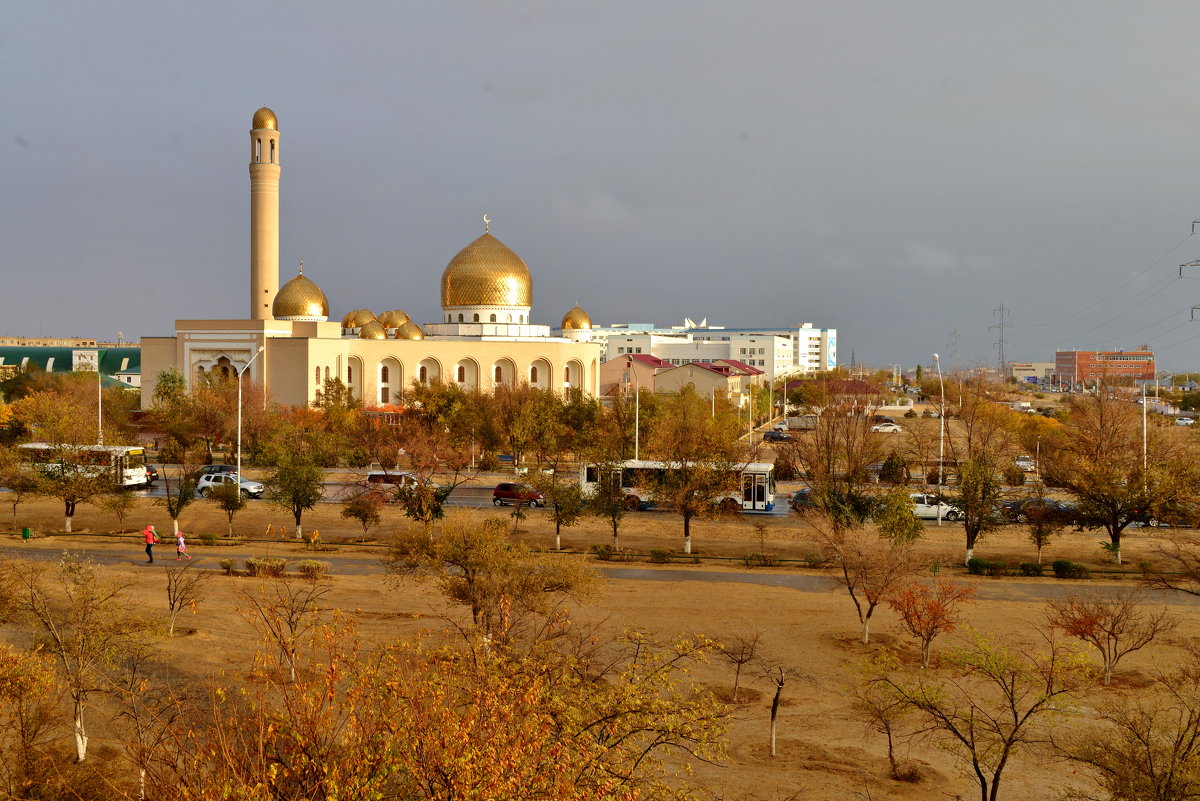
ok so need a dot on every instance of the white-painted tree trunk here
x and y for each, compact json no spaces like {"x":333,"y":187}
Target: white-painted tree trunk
{"x":299,"y":532}
{"x":67,"y":523}
{"x":81,"y":738}
{"x":687,"y":544}
{"x":970,"y":555}
{"x":175,"y":523}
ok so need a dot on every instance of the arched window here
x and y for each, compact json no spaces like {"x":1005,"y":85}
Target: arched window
{"x":423,"y":374}
{"x":462,"y":374}
{"x":493,"y":319}
{"x":522,"y":319}
{"x":383,"y":395}
{"x":326,"y":373}
{"x":508,"y":318}
{"x":567,"y":375}
{"x":258,"y":151}
{"x":476,"y":319}
{"x":460,"y":318}
{"x":349,"y":374}
{"x":224,"y":371}
{"x":499,"y":374}
{"x":532,"y":375}
{"x":317,"y":376}
{"x":449,"y":319}
{"x":383,"y":374}
{"x":272,"y":151}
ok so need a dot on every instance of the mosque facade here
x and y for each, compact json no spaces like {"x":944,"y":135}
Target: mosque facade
{"x":485,"y":337}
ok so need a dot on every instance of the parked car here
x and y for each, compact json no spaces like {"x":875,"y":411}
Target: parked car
{"x":779,"y":427}
{"x":1022,"y":510}
{"x":383,"y":479}
{"x":926,"y":507}
{"x":801,"y":499}
{"x":1184,"y":421}
{"x":210,"y":469}
{"x":1026,"y":463}
{"x":250,"y":489}
{"x":775,"y":436}
{"x":510,"y":494}
{"x":886,"y":428}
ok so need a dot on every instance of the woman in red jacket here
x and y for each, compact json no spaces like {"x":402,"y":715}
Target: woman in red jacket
{"x":151,"y":539}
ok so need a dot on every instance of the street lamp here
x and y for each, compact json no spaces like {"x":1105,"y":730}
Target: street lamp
{"x":941,"y":433}
{"x":239,"y":433}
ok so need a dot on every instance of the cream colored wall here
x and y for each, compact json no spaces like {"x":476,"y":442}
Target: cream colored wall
{"x":706,"y":382}
{"x":158,"y":353}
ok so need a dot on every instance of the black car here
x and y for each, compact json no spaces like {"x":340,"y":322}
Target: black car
{"x":775,"y":436}
{"x":801,"y":499}
{"x":151,"y":475}
{"x":1022,"y":510}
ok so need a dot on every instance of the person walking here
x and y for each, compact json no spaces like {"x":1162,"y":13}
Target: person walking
{"x":151,"y":538}
{"x":181,"y":548}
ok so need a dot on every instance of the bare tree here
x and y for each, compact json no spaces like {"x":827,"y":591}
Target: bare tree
{"x":871,"y":567}
{"x":778,"y":675}
{"x":184,"y":591}
{"x":87,"y":626}
{"x":1182,"y":570}
{"x":740,"y":648}
{"x":1115,"y":623}
{"x":992,"y":704}
{"x":285,"y":611}
{"x":880,"y":708}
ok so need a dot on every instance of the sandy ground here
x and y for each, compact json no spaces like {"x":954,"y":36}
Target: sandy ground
{"x":824,"y":753}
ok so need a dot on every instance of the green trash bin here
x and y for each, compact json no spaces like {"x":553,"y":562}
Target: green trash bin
{"x":26,"y":534}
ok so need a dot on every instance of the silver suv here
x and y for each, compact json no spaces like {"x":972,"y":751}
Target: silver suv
{"x":250,"y":489}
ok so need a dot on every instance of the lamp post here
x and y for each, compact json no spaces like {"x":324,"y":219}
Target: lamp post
{"x":99,"y":403}
{"x":941,"y":432}
{"x":239,"y":431}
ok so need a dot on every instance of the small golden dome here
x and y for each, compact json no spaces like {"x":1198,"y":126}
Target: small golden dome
{"x":357,"y":318}
{"x":393,"y":319}
{"x":487,"y":273}
{"x":264,"y":119}
{"x":410,"y":330}
{"x":576,"y":320}
{"x":300,"y":299}
{"x":372,"y":330}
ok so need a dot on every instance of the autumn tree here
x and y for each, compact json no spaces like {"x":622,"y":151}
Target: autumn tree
{"x":1146,"y":747}
{"x":895,"y":519}
{"x":1178,"y":565}
{"x":870,"y":567}
{"x":1099,"y":458}
{"x":505,"y":585}
{"x":879,"y":707}
{"x":977,"y":500}
{"x":284,"y":612}
{"x":1043,"y":522}
{"x":29,"y":697}
{"x":608,"y":500}
{"x":929,"y":608}
{"x":229,"y":499}
{"x":16,"y":476}
{"x":295,"y":485}
{"x":365,"y":507}
{"x":71,"y":429}
{"x":994,"y":702}
{"x":702,"y":458}
{"x":1115,"y":623}
{"x":564,"y":499}
{"x":86,"y":623}
{"x":117,"y":504}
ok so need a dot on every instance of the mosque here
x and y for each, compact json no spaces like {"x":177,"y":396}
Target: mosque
{"x":289,"y":346}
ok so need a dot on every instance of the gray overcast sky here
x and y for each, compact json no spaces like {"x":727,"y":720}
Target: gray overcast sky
{"x":894,"y":170}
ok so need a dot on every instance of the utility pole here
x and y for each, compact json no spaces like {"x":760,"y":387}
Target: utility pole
{"x":1000,"y":326}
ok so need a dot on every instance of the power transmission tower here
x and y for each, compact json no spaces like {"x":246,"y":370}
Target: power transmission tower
{"x":953,"y":345}
{"x":1001,"y":364}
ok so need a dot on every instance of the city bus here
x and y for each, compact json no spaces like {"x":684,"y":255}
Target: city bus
{"x":757,"y":481}
{"x":124,"y":464}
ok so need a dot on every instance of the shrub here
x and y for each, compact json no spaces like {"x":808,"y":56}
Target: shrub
{"x":910,"y":414}
{"x":660,"y":556}
{"x":760,"y":560}
{"x":312,"y":569}
{"x":229,"y":566}
{"x":1014,"y":476}
{"x":894,"y":470}
{"x":266,"y":567}
{"x":1065,"y":568}
{"x":977,"y":566}
{"x":208,"y":538}
{"x":997,"y":569}
{"x":1031,"y":569}
{"x":607,"y":553}
{"x":489,"y":462}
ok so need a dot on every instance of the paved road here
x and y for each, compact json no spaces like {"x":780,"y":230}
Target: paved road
{"x":361,"y":564}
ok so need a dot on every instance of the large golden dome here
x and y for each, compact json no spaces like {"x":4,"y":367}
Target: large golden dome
{"x":300,"y":298}
{"x":576,"y":320}
{"x":410,"y":330}
{"x":264,"y":118}
{"x":393,"y":319}
{"x":487,"y":273}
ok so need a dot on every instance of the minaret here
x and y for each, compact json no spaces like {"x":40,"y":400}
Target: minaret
{"x":264,"y":213}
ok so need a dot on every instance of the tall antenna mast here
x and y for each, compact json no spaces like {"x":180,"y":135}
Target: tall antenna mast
{"x":1001,"y":364}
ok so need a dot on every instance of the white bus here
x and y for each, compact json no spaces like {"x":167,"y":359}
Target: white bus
{"x":639,"y":475}
{"x":125,"y":464}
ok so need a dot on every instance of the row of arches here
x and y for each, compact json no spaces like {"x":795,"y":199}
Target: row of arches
{"x":390,"y":375}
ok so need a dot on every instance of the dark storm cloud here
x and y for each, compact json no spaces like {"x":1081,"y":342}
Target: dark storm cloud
{"x":895,"y":171}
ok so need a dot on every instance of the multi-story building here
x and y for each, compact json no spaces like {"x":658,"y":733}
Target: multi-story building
{"x":1030,"y":372}
{"x":777,"y":352}
{"x":1088,"y":366}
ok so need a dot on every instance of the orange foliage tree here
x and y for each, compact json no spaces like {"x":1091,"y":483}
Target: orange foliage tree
{"x":1115,"y":623}
{"x":930,"y":608}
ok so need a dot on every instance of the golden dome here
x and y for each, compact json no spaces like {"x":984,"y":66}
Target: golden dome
{"x":300,"y":298}
{"x":410,"y":330}
{"x":264,"y":118}
{"x":393,"y":319}
{"x":486,"y":273}
{"x":357,"y":318}
{"x":372,"y":330}
{"x":576,"y":320}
